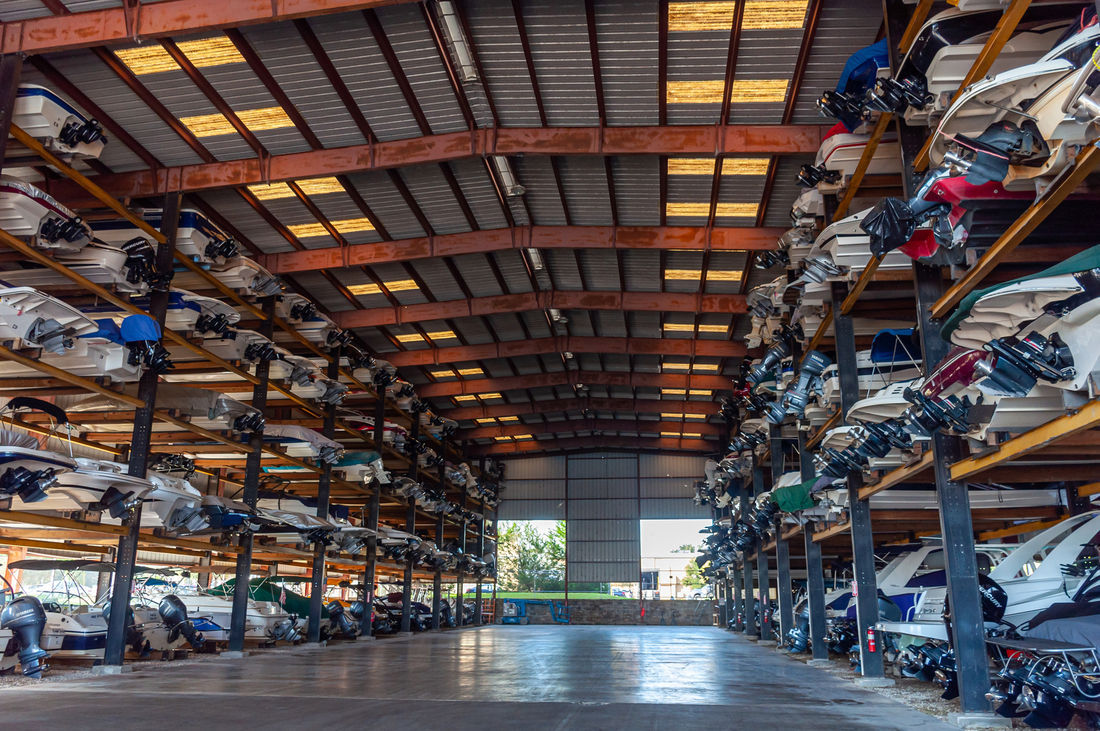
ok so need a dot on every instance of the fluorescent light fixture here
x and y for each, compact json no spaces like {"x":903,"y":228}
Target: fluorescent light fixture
{"x":535,"y":257}
{"x":362,"y":289}
{"x":311,"y":187}
{"x":456,"y":39}
{"x":507,"y":178}
{"x":410,"y":338}
{"x":257,"y":120}
{"x":730,"y":166}
{"x":683,"y":274}
{"x":702,"y":210}
{"x":344,"y":226}
{"x":743,"y":91}
{"x":202,"y":53}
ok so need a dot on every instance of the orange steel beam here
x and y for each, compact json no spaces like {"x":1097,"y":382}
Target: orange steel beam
{"x":154,"y":20}
{"x":525,"y":237}
{"x":698,"y":139}
{"x":553,"y":406}
{"x":703,"y":429}
{"x":594,"y":378}
{"x":572,"y":344}
{"x":573,"y":444}
{"x":545,"y":299}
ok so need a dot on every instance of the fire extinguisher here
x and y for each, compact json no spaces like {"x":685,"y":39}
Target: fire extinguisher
{"x":870,"y":639}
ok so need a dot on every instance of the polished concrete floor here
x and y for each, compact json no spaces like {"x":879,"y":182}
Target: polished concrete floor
{"x":533,"y":677}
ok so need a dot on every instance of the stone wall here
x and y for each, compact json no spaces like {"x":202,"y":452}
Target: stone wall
{"x":626,"y":611}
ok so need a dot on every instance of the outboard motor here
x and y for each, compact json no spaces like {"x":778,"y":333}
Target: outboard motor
{"x":141,"y":264}
{"x":134,"y":638}
{"x":26,"y":618}
{"x":142,"y":336}
{"x":75,"y":133}
{"x":29,"y":485}
{"x":173,"y":612}
{"x":222,"y":249}
{"x":798,"y":638}
{"x":348,"y":626}
{"x":217,"y":324}
{"x":1017,"y":364}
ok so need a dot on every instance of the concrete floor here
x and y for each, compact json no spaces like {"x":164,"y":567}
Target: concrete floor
{"x":532,"y":677}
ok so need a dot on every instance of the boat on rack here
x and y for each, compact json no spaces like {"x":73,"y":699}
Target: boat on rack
{"x":55,"y":123}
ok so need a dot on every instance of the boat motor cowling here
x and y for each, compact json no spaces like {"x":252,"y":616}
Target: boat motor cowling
{"x":26,"y":618}
{"x":895,"y":95}
{"x":29,"y":485}
{"x":222,"y":249}
{"x":348,"y":626}
{"x":809,"y":175}
{"x":173,"y":612}
{"x":87,"y":132}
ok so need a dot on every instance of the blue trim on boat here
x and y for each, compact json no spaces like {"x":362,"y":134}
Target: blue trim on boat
{"x":203,"y":624}
{"x":39,"y":91}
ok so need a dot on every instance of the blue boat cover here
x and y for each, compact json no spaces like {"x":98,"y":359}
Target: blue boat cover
{"x":139,"y":328}
{"x":894,"y":344}
{"x":108,"y":331}
{"x":359,"y":457}
{"x":862,"y":67}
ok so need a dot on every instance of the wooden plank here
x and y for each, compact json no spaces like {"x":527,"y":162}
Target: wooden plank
{"x":1015,"y":530}
{"x":823,"y":429}
{"x":52,"y":545}
{"x":1020,"y":229}
{"x":835,"y":530}
{"x":865,"y":277}
{"x":53,"y":521}
{"x":1086,"y":418}
{"x":897,"y":476}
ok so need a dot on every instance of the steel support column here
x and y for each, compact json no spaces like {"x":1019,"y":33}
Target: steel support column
{"x":373,"y":508}
{"x":317,"y":583}
{"x":749,"y":612}
{"x":250,"y":494}
{"x":763,"y":579}
{"x":479,"y":618}
{"x":736,"y":582}
{"x":859,"y":511}
{"x":459,"y":609}
{"x":815,"y":574}
{"x":437,"y":577}
{"x":410,"y":527}
{"x":783,"y":586}
{"x":126,"y":556}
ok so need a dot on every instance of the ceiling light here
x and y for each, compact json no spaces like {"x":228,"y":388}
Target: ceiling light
{"x":517,"y":437}
{"x":700,"y":392}
{"x":486,"y":420}
{"x":700,"y":16}
{"x":679,"y":327}
{"x":202,"y":53}
{"x":702,"y":210}
{"x":465,"y":398}
{"x":507,"y":178}
{"x":441,"y":335}
{"x":535,"y":257}
{"x":723,"y":275}
{"x":730,"y":166}
{"x":441,"y":374}
{"x":503,"y":439}
{"x":705,"y":367}
{"x":695,"y":416}
{"x":311,"y":186}
{"x":257,"y":120}
{"x":409,"y":338}
{"x":691,"y":434}
{"x":401,"y":285}
{"x":673,"y":391}
{"x":470,"y":371}
{"x":674,"y":434}
{"x":676,"y":366}
{"x":457,"y":41}
{"x":361,"y":289}
{"x":713,"y":328}
{"x":774,"y":14}
{"x":669,"y":415}
{"x":683,"y":274}
{"x":344,"y":226}
{"x":489,"y":396}
{"x":509,"y":418}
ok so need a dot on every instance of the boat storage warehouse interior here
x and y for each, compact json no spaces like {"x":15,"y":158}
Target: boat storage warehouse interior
{"x":572,"y":364}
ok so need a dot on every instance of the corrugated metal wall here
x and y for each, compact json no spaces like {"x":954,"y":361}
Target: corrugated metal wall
{"x":602,"y":496}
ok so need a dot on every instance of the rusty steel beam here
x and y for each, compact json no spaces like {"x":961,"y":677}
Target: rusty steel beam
{"x":568,"y":378}
{"x":135,"y":22}
{"x":680,"y":139}
{"x":572,"y":344}
{"x":555,"y":406}
{"x":703,"y":429}
{"x":574,"y":444}
{"x":558,"y":299}
{"x":750,"y":238}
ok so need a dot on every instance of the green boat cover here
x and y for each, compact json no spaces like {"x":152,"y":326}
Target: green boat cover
{"x":266,"y":589}
{"x":1087,"y":259}
{"x":795,"y":497}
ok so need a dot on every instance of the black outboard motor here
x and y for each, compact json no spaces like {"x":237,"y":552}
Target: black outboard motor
{"x":798,"y":638}
{"x":173,"y":612}
{"x":348,"y":626}
{"x":26,"y":618}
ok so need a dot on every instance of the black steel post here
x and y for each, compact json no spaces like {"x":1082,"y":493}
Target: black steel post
{"x":317,"y":583}
{"x":737,"y":584}
{"x":126,"y":556}
{"x":11,"y":68}
{"x":250,"y":494}
{"x":373,"y":507}
{"x":815,"y":574}
{"x":783,"y":586}
{"x":763,"y":579}
{"x":478,"y":615}
{"x":437,"y":577}
{"x":859,"y":511}
{"x":410,"y":527}
{"x":746,"y":568}
{"x":463,"y":527}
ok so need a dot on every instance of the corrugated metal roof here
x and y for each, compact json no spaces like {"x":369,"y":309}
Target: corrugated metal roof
{"x":558,"y":36}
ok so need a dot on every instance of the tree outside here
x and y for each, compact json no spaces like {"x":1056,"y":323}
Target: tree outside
{"x":530,"y":559}
{"x":693,"y":576}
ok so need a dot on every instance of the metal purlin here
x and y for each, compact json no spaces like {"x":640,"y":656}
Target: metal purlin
{"x":250,"y":496}
{"x":126,"y":555}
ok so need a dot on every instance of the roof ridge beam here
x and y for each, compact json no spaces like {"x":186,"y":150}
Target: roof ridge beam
{"x":574,"y":443}
{"x":703,"y":429}
{"x":574,"y":378}
{"x":552,"y":406}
